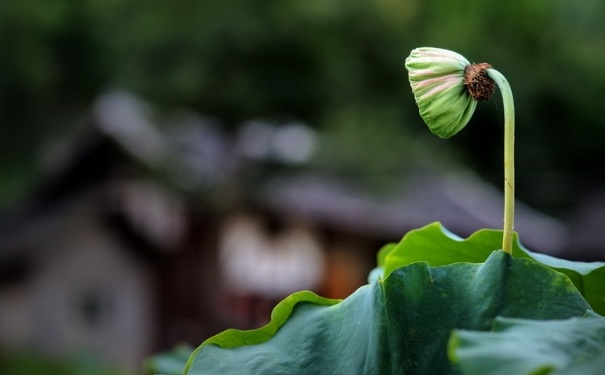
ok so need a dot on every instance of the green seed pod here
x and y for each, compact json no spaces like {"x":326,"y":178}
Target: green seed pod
{"x":447,"y":88}
{"x":437,"y":77}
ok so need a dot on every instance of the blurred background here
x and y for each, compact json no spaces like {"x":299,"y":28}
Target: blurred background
{"x":172,"y":169}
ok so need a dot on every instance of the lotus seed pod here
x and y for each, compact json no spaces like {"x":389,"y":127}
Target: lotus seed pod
{"x":437,"y":77}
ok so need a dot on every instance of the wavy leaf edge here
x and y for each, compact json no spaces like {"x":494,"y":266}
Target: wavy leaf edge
{"x":438,"y":232}
{"x":580,"y":273}
{"x":279,"y":315}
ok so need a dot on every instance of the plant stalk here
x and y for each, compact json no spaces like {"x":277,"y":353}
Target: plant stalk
{"x":509,"y":158}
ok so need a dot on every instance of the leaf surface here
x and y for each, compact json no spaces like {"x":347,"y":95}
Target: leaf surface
{"x":574,"y":346}
{"x":400,"y":324}
{"x":169,"y":363}
{"x":437,"y":246}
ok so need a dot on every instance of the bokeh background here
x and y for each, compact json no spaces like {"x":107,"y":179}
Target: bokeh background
{"x":172,"y":169}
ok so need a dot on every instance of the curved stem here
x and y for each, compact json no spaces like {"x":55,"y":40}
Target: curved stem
{"x":509,"y":158}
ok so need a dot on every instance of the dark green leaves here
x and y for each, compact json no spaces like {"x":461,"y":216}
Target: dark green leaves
{"x":573,"y":347}
{"x":169,"y":363}
{"x":435,"y":245}
{"x":234,"y":338}
{"x":430,"y":287}
{"x":398,"y":325}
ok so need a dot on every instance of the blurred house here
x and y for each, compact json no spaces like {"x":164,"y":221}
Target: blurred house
{"x":137,"y":240}
{"x":105,"y":260}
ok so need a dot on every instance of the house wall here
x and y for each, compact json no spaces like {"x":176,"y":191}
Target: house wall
{"x":15,"y":317}
{"x":86,"y":295}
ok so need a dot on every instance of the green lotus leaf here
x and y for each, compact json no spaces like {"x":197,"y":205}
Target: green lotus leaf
{"x":400,"y":324}
{"x":437,"y":246}
{"x":169,"y":363}
{"x":233,"y":338}
{"x":573,"y":346}
{"x":381,"y":257}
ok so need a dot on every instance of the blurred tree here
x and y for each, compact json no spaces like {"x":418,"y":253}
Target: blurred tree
{"x":337,"y":65}
{"x":50,"y":70}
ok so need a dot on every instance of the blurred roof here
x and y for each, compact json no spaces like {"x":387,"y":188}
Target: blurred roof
{"x":461,"y":202}
{"x":195,"y":156}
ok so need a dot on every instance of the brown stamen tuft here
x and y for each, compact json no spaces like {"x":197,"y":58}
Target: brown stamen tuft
{"x":477,"y":82}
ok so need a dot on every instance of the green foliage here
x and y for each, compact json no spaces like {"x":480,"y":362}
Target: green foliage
{"x":437,"y":246}
{"x":169,"y":363}
{"x":28,"y":364}
{"x":574,"y":346}
{"x":402,"y":322}
{"x":233,"y":338}
{"x":322,"y":62}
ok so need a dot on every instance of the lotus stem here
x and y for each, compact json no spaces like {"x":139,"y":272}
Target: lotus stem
{"x":509,"y":158}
